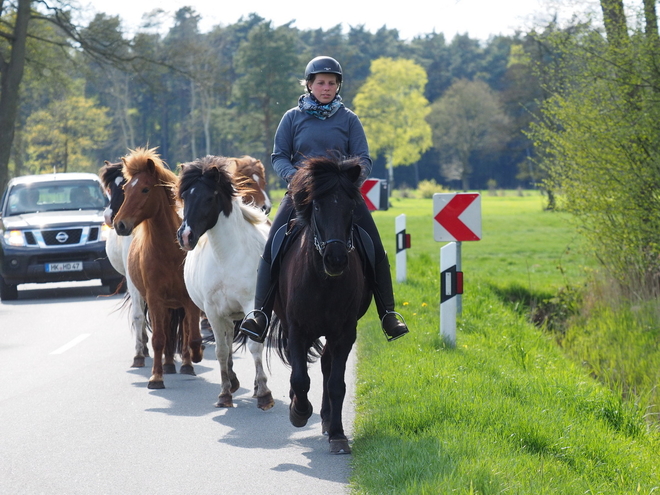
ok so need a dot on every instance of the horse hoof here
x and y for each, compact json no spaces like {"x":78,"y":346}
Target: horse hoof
{"x":169,"y":369}
{"x":138,"y":362}
{"x":224,"y":401}
{"x":156,"y":385}
{"x":187,"y":369}
{"x":325,"y":427}
{"x":265,"y":402}
{"x":339,"y":446}
{"x":297,"y":418}
{"x":234,"y":384}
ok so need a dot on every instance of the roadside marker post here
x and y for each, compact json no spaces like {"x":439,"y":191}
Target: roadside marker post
{"x":457,"y":218}
{"x":402,"y":243}
{"x":375,"y":194}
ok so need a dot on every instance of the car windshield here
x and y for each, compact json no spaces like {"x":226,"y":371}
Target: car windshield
{"x":56,"y":196}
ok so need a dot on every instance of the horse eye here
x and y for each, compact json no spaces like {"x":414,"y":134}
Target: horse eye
{"x":145,"y":190}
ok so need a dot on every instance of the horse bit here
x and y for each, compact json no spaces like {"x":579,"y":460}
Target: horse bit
{"x":320,"y":244}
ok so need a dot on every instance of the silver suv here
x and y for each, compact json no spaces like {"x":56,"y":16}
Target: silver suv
{"x":52,"y":230}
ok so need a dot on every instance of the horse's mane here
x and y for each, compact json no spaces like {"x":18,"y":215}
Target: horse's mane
{"x":320,"y":176}
{"x":109,"y":172}
{"x":213,"y":171}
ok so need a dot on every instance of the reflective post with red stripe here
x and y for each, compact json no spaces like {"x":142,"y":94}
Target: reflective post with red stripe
{"x":402,"y":243}
{"x":451,"y":288}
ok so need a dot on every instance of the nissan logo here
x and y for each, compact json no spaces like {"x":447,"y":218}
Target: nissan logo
{"x":61,"y":237}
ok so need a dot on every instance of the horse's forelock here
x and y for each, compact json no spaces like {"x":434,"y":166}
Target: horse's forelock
{"x":321,"y":176}
{"x":139,"y":159}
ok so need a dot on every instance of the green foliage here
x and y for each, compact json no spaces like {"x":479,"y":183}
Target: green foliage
{"x":61,"y":136}
{"x":267,"y":63}
{"x":467,"y":119}
{"x":427,"y":188}
{"x":600,"y":145}
{"x":392,"y":108}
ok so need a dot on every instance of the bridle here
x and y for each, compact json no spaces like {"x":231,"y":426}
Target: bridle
{"x":320,"y":244}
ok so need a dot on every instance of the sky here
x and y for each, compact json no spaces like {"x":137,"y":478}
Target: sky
{"x":480,"y":19}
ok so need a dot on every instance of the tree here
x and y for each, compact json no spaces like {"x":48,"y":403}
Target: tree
{"x":22,"y":25}
{"x":12,"y":66}
{"x":600,"y":144}
{"x":392,"y":108}
{"x":467,"y":119}
{"x":269,"y":69}
{"x":61,"y":136}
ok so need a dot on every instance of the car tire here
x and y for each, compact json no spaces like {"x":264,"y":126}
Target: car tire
{"x":7,"y":292}
{"x":115,"y":285}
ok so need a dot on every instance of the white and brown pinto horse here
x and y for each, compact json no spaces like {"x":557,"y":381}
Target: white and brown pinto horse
{"x":224,"y":238}
{"x":116,"y":248}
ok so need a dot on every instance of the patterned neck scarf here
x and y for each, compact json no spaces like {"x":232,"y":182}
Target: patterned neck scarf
{"x":308,"y":103}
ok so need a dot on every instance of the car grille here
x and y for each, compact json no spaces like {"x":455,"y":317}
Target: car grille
{"x":64,"y":237}
{"x":54,"y":238}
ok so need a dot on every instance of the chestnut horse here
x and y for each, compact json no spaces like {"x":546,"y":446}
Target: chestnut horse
{"x":322,"y":289}
{"x":224,"y":238}
{"x":155,"y":261}
{"x":255,"y":180}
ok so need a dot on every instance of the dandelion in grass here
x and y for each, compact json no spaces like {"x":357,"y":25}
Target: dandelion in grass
{"x":405,"y":303}
{"x":424,"y":305}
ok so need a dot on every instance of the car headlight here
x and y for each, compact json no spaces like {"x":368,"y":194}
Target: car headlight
{"x":14,"y":238}
{"x":105,"y":232}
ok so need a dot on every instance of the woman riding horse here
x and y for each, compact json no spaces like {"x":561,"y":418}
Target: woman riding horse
{"x":318,"y":126}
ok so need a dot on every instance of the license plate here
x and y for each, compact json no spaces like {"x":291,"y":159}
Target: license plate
{"x":70,"y":266}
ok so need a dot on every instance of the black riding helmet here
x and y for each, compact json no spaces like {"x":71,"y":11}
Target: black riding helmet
{"x":323,"y":65}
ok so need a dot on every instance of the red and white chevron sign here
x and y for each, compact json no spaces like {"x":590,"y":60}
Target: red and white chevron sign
{"x":371,"y":192}
{"x":457,"y":217}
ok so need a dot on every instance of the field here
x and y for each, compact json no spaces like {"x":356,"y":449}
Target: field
{"x":505,"y":410}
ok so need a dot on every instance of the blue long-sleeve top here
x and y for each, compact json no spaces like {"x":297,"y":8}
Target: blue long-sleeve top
{"x":300,"y":136}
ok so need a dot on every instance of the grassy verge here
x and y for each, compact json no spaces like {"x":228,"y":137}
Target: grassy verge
{"x":506,"y":411}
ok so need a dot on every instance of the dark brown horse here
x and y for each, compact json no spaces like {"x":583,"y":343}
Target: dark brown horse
{"x":155,"y":262}
{"x":322,"y":289}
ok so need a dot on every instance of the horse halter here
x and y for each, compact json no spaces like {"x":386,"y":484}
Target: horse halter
{"x":320,"y":244}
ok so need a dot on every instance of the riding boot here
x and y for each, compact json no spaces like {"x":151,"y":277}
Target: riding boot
{"x":255,"y":324}
{"x":384,"y":297}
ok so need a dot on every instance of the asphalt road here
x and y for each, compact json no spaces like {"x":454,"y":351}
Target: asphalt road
{"x":75,"y":418}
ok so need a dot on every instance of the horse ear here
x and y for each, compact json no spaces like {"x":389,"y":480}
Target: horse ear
{"x":151,"y":166}
{"x":354,"y":173}
{"x":213,"y":173}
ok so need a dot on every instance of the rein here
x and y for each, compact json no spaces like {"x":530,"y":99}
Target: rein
{"x":320,"y":244}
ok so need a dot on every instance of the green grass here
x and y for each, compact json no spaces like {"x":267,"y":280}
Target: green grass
{"x":505,"y":411}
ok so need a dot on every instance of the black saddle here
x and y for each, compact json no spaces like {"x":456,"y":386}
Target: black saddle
{"x":289,"y":231}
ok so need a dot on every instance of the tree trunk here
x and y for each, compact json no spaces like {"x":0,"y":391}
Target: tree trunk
{"x":651,"y":21}
{"x":10,"y":79}
{"x":615,"y":22}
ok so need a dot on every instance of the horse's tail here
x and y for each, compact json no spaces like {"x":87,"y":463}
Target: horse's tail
{"x":278,"y":332}
{"x":175,"y":335}
{"x":240,"y":339}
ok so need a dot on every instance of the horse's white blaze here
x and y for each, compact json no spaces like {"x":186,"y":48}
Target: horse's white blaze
{"x":135,"y":181}
{"x":119,"y":180}
{"x":267,"y":204}
{"x":185,"y":235}
{"x":107,"y":216}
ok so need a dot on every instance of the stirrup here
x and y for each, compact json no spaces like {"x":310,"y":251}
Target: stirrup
{"x":400,"y":319}
{"x":257,"y":337}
